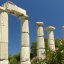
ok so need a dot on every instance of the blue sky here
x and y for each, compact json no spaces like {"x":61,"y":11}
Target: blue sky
{"x":51,"y":12}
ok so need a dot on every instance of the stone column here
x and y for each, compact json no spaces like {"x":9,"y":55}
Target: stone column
{"x":62,"y":41}
{"x":3,"y":38}
{"x":51,"y":42}
{"x":25,"y":46}
{"x":40,"y":41}
{"x":62,"y":32}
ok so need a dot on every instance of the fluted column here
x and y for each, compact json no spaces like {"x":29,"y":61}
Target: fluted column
{"x":40,"y":41}
{"x":25,"y":46}
{"x":51,"y":41}
{"x":3,"y":38}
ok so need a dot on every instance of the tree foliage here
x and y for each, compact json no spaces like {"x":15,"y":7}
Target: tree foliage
{"x":51,"y":57}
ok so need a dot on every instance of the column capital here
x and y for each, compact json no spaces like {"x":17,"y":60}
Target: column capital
{"x":2,"y":9}
{"x":23,"y":17}
{"x":50,"y":28}
{"x":39,"y":23}
{"x":62,"y":27}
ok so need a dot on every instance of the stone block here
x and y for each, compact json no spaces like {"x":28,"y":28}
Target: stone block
{"x":40,"y":42}
{"x":50,"y":35}
{"x":40,"y":31}
{"x":41,"y":54}
{"x":2,"y":8}
{"x":4,"y":62}
{"x":4,"y":51}
{"x":51,"y":41}
{"x":52,"y":47}
{"x":24,"y":26}
{"x":25,"y":54}
{"x":13,"y":9}
{"x":25,"y":40}
{"x":27,"y":62}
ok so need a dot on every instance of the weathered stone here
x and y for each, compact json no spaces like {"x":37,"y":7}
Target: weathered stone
{"x":25,"y":40}
{"x":2,"y":9}
{"x":24,"y":26}
{"x":25,"y":54}
{"x":3,"y":38}
{"x":25,"y":45}
{"x":13,"y":9}
{"x":4,"y":62}
{"x":62,"y":33}
{"x":27,"y":62}
{"x":39,"y":29}
{"x":51,"y":42}
{"x":3,"y":51}
{"x":40,"y":41}
{"x":41,"y":54}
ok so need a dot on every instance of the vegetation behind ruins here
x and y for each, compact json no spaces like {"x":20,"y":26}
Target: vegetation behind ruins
{"x":56,"y":57}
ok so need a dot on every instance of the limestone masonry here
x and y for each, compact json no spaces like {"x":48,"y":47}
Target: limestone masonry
{"x":11,"y":8}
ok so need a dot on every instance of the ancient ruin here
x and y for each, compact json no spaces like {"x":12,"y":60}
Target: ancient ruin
{"x":51,"y":41}
{"x":40,"y":41}
{"x":11,"y":8}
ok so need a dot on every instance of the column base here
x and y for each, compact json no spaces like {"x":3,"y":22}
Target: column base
{"x":27,"y":62}
{"x":4,"y":62}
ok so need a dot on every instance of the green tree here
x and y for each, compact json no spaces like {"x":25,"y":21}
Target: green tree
{"x":33,"y":50}
{"x":51,"y":57}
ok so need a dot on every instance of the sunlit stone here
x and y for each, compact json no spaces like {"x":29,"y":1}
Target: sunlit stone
{"x":51,"y":41}
{"x":40,"y":41}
